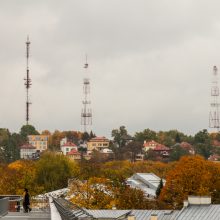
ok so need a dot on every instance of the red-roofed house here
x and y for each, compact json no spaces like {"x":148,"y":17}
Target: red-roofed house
{"x":162,"y":150}
{"x":67,"y":147}
{"x":75,"y":155}
{"x":97,"y":143}
{"x":27,"y":151}
{"x":188,"y":147}
{"x":149,"y":145}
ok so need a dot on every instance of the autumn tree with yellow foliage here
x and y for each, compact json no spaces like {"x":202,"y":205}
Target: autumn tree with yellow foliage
{"x":19,"y":175}
{"x":102,"y":193}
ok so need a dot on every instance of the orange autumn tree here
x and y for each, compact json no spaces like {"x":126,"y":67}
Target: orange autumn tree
{"x":192,"y":175}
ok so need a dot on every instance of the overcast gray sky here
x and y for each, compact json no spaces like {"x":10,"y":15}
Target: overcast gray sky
{"x":150,"y":62}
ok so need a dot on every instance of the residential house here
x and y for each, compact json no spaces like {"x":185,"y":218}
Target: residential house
{"x":97,"y":143}
{"x":149,"y":145}
{"x":139,"y":157}
{"x":40,"y":142}
{"x":187,"y":146}
{"x":67,"y":147}
{"x":76,"y":155}
{"x":162,"y":150}
{"x":27,"y":151}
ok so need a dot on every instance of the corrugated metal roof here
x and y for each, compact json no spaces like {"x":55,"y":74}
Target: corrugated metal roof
{"x":200,"y":212}
{"x":139,"y":214}
{"x":108,"y":213}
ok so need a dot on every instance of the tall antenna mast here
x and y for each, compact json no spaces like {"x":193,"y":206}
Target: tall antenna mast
{"x":86,"y":114}
{"x":214,"y":112}
{"x":27,"y":80}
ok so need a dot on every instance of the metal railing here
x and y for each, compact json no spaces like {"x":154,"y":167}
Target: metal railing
{"x":15,"y":203}
{"x":69,"y":211}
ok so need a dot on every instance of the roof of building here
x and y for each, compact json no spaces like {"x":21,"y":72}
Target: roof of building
{"x":200,"y":212}
{"x":98,"y":139}
{"x":69,"y":144}
{"x":161,"y":147}
{"x":108,"y":213}
{"x":73,"y":152}
{"x":186,"y":145}
{"x":150,"y":143}
{"x":27,"y":146}
{"x":147,"y":182}
{"x":139,"y":214}
{"x":192,"y":212}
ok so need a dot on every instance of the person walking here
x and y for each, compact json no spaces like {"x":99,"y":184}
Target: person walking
{"x":26,"y":201}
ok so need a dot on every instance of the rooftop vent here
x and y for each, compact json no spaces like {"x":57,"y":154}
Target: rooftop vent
{"x":131,"y":217}
{"x":153,"y":217}
{"x":199,"y":200}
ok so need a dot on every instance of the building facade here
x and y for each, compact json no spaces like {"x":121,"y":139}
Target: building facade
{"x":150,"y":145}
{"x":67,"y":147}
{"x":40,"y":142}
{"x":97,"y":143}
{"x":27,"y":151}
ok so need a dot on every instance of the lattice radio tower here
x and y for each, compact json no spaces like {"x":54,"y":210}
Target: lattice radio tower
{"x":86,"y":114}
{"x":27,"y":81}
{"x":214,"y":111}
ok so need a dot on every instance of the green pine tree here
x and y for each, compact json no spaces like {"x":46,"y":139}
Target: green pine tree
{"x":159,"y":188}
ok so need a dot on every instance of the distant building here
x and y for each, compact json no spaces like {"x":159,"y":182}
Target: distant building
{"x":63,"y":141}
{"x":76,"y":155}
{"x":196,"y":207}
{"x":27,"y":151}
{"x":214,"y":158}
{"x":159,"y":149}
{"x":147,"y":182}
{"x":188,"y":147}
{"x":97,"y":143}
{"x":67,"y":147}
{"x":162,"y":150}
{"x":139,"y":157}
{"x":40,"y":142}
{"x":149,"y":145}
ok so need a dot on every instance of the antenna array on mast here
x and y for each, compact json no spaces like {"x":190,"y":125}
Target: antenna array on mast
{"x":214,"y":112}
{"x":27,"y":81}
{"x":86,"y":114}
